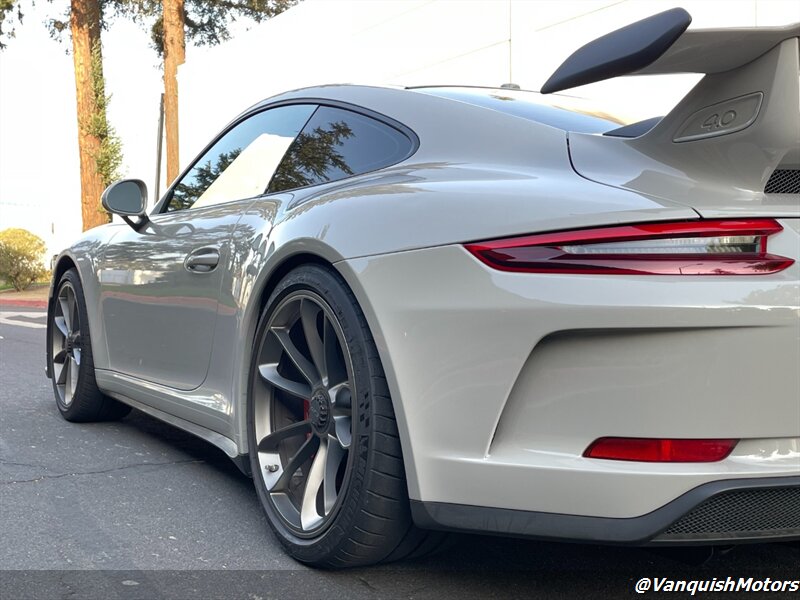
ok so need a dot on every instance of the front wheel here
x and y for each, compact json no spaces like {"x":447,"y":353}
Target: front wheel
{"x":324,"y":445}
{"x":70,"y":357}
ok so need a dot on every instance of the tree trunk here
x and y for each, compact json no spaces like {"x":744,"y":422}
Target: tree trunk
{"x":174,"y":55}
{"x":85,"y":28}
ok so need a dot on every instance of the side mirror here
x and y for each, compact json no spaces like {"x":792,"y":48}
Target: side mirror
{"x":127,"y":198}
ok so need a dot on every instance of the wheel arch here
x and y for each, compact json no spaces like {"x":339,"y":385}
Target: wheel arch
{"x":351,"y":278}
{"x":261,"y":296}
{"x":64,"y":264}
{"x":280,"y":270}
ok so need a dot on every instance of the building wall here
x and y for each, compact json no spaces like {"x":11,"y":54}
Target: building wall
{"x":418,"y":42}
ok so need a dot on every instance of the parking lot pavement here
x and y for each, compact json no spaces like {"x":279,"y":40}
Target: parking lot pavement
{"x":165,"y":515}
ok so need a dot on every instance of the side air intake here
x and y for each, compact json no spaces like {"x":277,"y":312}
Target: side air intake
{"x":783,"y":181}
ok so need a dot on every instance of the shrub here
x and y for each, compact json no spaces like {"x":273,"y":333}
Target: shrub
{"x":21,"y":255}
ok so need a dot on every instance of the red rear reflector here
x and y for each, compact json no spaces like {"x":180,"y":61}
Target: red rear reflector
{"x":660,"y":450}
{"x":721,"y":247}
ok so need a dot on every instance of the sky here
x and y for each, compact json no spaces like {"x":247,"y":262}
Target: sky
{"x":39,"y":166}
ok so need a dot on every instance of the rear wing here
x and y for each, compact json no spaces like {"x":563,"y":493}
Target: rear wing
{"x":660,"y":44}
{"x":731,"y":131}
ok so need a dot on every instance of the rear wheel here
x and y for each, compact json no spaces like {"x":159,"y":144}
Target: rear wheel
{"x":70,"y":356}
{"x":324,"y":445}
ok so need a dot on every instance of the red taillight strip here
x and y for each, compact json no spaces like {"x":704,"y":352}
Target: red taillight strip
{"x":542,"y":253}
{"x":642,"y":231}
{"x":660,"y":450}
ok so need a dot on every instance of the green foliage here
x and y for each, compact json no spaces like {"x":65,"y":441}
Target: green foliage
{"x":10,"y":16}
{"x":207,"y":21}
{"x":108,"y":159}
{"x":189,"y":190}
{"x":21,"y":254}
{"x":311,"y":156}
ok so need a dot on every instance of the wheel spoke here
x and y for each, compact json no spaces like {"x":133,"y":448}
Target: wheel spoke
{"x":269,"y":373}
{"x":308,"y":316}
{"x":60,"y":364}
{"x":76,"y":353}
{"x":66,"y":313}
{"x":333,"y":460}
{"x":306,"y":368}
{"x":270,"y":443}
{"x":61,"y":324}
{"x":309,"y":516}
{"x":66,"y":375}
{"x":298,"y":459}
{"x":343,"y":426}
{"x":73,"y":311}
{"x":342,"y":413}
{"x":334,"y":367}
{"x":73,"y":376}
{"x":340,"y":397}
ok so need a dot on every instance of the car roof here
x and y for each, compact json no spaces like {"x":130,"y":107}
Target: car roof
{"x":562,"y":111}
{"x":570,"y":113}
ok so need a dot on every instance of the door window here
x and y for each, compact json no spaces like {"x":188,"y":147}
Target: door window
{"x":242,"y":162}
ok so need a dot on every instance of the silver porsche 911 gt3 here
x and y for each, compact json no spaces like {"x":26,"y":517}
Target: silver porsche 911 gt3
{"x":408,"y":311}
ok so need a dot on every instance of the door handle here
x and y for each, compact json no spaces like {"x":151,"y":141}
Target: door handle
{"x":202,"y":260}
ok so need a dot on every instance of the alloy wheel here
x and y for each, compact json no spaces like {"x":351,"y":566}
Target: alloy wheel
{"x":303,"y":416}
{"x":66,"y":343}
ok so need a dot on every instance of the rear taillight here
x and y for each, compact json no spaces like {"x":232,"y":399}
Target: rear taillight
{"x":660,"y":450}
{"x":723,"y":247}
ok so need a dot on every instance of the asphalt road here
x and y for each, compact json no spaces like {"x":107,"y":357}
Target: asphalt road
{"x":138,"y":509}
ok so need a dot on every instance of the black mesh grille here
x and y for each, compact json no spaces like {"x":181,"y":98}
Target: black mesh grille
{"x":784,"y":181}
{"x":741,"y":513}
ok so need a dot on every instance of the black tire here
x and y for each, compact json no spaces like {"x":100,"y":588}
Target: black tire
{"x":87,"y":403}
{"x":373,"y":523}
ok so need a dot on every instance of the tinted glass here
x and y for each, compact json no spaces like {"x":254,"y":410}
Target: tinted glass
{"x":241,"y":163}
{"x":335,"y":144}
{"x":563,"y":112}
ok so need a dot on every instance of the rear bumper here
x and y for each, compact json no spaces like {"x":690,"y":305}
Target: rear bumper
{"x":500,"y":381}
{"x":721,"y":512}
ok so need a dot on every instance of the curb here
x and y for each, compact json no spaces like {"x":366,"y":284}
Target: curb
{"x":11,"y":302}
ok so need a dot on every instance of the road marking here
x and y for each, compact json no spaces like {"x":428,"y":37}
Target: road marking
{"x":13,"y":318}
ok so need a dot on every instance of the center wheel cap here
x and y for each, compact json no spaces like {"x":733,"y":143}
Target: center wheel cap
{"x":71,"y":343}
{"x":319,"y":411}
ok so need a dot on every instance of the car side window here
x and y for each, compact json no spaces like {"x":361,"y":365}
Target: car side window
{"x":242,"y":162}
{"x":338,"y":143}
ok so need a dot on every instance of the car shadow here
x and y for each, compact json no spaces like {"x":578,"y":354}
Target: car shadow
{"x":194,"y":447}
{"x":488,"y":566}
